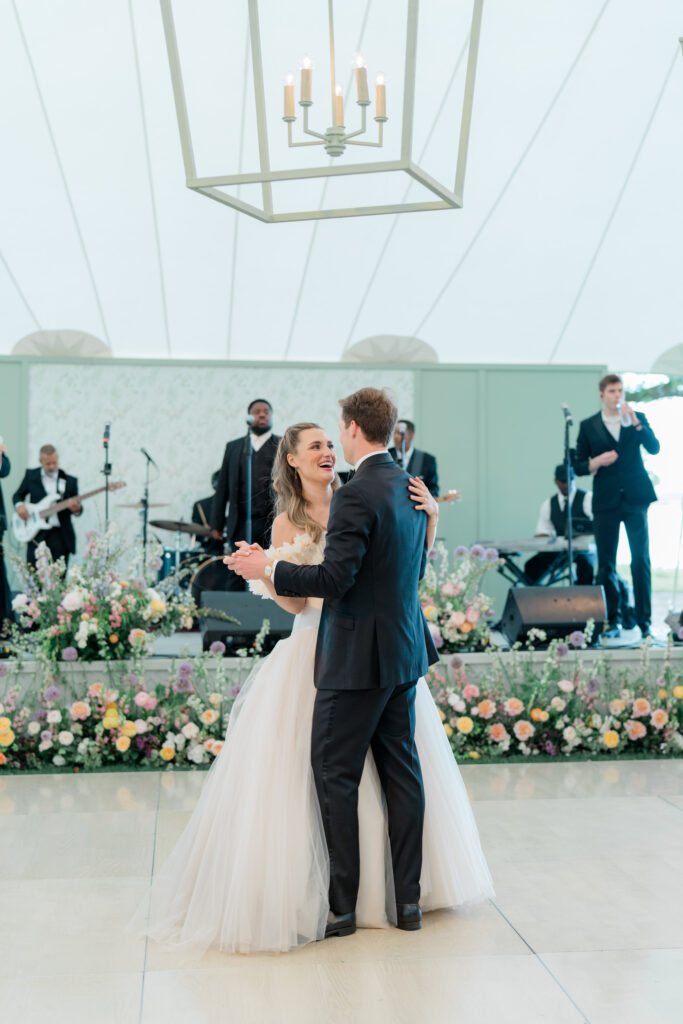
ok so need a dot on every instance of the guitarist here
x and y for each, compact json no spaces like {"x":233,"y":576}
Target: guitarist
{"x":49,"y":479}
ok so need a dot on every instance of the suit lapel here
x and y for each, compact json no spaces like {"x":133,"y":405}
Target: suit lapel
{"x":603,"y":432}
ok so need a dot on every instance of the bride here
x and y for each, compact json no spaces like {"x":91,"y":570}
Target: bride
{"x":250,"y":872}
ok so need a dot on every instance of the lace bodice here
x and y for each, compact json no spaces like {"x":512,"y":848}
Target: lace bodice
{"x":303,"y":550}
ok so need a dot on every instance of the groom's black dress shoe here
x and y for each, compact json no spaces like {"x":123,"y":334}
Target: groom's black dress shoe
{"x":340,"y":924}
{"x":408,"y":916}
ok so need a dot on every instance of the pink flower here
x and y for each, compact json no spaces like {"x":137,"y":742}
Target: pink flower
{"x":472,"y":615}
{"x":566,"y":685}
{"x":470,"y":691}
{"x":513,"y":706}
{"x":498,"y":732}
{"x":523,"y":730}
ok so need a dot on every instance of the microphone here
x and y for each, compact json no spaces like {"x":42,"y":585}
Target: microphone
{"x":567,"y":414}
{"x":148,"y":457}
{"x":401,"y":427}
{"x":250,"y":420}
{"x":107,"y":431}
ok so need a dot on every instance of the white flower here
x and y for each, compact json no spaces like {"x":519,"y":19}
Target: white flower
{"x":216,"y":699}
{"x":54,"y":716}
{"x":59,"y":760}
{"x":558,"y":704}
{"x":115,"y":590}
{"x":44,"y":745}
{"x":569,"y":733}
{"x":72,"y":600}
{"x":83,"y":746}
{"x":180,"y":741}
{"x":65,"y":738}
{"x":566,"y":685}
{"x":33,"y":728}
{"x":678,"y":740}
{"x":20,"y":601}
{"x":140,"y":726}
{"x":190,"y":730}
{"x":196,"y":753}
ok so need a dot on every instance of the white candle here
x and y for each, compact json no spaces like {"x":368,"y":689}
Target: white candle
{"x":338,"y":106}
{"x":289,"y":96}
{"x":380,"y":97}
{"x":361,"y":79}
{"x":306,"y":80}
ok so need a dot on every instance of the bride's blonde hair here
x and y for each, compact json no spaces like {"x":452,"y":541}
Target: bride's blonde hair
{"x":287,"y":482}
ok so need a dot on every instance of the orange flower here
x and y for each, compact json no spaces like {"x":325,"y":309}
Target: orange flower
{"x":122,"y":744}
{"x":659,"y":718}
{"x":636,"y":730}
{"x":466,"y":627}
{"x":610,"y":738}
{"x":678,"y":692}
{"x":217,"y":747}
{"x":539,"y":715}
{"x":113,"y":639}
{"x":79,"y":709}
{"x":524,"y":730}
{"x":95,"y":689}
{"x":209,"y":716}
{"x":662,"y":694}
{"x":128,"y":728}
{"x":641,"y":707}
{"x":168,"y":753}
{"x":513,"y":706}
{"x":498,"y":732}
{"x":486,"y":708}
{"x":3,"y":759}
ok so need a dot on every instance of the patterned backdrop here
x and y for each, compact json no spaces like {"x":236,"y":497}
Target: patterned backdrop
{"x":183,"y":416}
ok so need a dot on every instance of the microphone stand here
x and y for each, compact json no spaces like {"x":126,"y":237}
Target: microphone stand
{"x":106,"y":470}
{"x":569,"y":533}
{"x":249,"y":450}
{"x":145,"y":511}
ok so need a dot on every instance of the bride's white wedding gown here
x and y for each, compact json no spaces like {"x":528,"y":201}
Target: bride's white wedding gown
{"x":250,"y":871}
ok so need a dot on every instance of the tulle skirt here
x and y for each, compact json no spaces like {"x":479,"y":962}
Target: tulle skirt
{"x":250,"y":872}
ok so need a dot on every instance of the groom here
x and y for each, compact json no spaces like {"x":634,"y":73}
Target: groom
{"x":373,"y":645}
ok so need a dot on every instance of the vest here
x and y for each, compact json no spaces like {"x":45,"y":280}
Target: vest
{"x":580,"y":522}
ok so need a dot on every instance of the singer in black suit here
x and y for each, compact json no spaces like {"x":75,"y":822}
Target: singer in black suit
{"x":37,"y":483}
{"x":5,"y":600}
{"x":232,"y":486}
{"x":373,"y":644}
{"x":622,"y":492}
{"x":418,"y":463}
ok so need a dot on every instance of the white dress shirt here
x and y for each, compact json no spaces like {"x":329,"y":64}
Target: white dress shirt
{"x":51,"y":485}
{"x":613,"y":424}
{"x":545,"y":523}
{"x":258,"y":440}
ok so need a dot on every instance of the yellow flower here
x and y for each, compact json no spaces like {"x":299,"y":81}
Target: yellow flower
{"x":441,"y":715}
{"x":168,"y":753}
{"x":474,"y":754}
{"x":111,"y":717}
{"x":6,"y":738}
{"x":84,"y":617}
{"x":678,"y":692}
{"x":158,"y":606}
{"x":128,"y":728}
{"x":465,"y":724}
{"x":123,"y":583}
{"x":209,"y":716}
{"x":5,"y":724}
{"x":113,"y":639}
{"x":662,"y":694}
{"x":122,"y":743}
{"x":610,"y":738}
{"x":430,"y":612}
{"x":447,"y":729}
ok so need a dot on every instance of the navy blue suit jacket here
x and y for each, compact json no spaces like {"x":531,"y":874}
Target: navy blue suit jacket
{"x":627,"y":474}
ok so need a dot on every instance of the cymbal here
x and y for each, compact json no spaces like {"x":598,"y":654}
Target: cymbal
{"x":151,"y":504}
{"x":178,"y":526}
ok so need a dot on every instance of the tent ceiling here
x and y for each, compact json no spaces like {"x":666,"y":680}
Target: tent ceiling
{"x":568,"y":249}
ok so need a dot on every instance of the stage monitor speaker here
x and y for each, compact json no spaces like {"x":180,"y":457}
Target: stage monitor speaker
{"x":558,"y":611}
{"x":250,"y":611}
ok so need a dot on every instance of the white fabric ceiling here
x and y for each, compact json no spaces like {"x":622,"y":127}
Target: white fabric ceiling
{"x":568,"y":249}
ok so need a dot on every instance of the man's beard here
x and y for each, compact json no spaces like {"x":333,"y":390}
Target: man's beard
{"x":259,"y":429}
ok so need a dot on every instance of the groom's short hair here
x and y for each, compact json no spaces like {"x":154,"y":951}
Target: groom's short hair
{"x":373,"y":411}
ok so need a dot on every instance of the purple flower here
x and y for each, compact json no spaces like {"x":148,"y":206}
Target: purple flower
{"x":3,"y":669}
{"x":184,"y":670}
{"x":69,"y":654}
{"x":236,"y":691}
{"x":132,"y":679}
{"x":477,"y":551}
{"x":51,"y":694}
{"x":679,"y":634}
{"x":460,"y":551}
{"x":182,"y":685}
{"x":550,"y":748}
{"x":46,"y":735}
{"x":592,"y":686}
{"x":491,"y":555}
{"x":436,"y":635}
{"x":217,"y":647}
{"x":456,"y":661}
{"x":138,"y":584}
{"x":577,"y":638}
{"x":561,"y":650}
{"x":432,"y":555}
{"x":40,"y":715}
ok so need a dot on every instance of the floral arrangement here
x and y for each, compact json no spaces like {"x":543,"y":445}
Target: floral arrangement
{"x":123,"y":722}
{"x":458,"y":614}
{"x":519,"y":711}
{"x":92,"y":612}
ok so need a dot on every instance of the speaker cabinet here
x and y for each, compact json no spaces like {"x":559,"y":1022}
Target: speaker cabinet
{"x":558,"y":611}
{"x":250,"y":611}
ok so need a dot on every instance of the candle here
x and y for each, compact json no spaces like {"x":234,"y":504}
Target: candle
{"x":380,"y":98}
{"x":338,"y":106}
{"x":306,"y":80}
{"x":361,"y":79}
{"x":289,"y":97}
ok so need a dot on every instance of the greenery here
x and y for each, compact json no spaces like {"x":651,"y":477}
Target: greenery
{"x":457,"y":612}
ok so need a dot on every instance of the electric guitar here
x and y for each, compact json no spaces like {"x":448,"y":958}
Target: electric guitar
{"x":450,"y":496}
{"x":39,"y":514}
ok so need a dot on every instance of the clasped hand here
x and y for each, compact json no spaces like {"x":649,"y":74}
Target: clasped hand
{"x":248,"y":560}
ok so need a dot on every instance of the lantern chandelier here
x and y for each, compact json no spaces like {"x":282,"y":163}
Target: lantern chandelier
{"x":225,"y":187}
{"x":336,"y":138}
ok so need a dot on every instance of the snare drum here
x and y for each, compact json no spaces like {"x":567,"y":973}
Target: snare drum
{"x":212,"y":574}
{"x":184,"y":560}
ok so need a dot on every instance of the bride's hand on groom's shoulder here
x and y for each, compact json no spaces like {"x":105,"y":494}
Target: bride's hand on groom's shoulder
{"x":423,"y":498}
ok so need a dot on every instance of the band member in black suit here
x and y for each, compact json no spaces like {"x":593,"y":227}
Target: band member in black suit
{"x":48,"y":478}
{"x":552,"y":519}
{"x":5,"y":602}
{"x":622,"y":491}
{"x":232,"y":486}
{"x":418,"y":463}
{"x":202,"y":514}
{"x":373,"y":644}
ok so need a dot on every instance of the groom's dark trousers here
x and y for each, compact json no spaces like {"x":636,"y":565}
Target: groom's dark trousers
{"x":373,"y":645}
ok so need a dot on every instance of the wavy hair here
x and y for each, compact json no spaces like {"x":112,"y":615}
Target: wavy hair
{"x":287,"y":482}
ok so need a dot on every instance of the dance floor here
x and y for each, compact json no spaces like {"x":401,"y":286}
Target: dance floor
{"x":586,"y":924}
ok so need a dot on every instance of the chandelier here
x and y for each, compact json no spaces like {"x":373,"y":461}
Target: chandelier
{"x":337,"y":138}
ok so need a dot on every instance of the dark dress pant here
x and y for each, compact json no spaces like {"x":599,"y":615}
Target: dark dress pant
{"x":5,"y":600}
{"x":606,"y":525}
{"x":345,"y":724}
{"x":540,"y":563}
{"x":55,"y":542}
